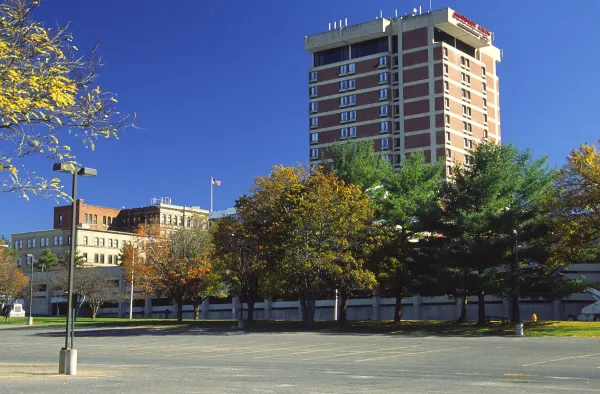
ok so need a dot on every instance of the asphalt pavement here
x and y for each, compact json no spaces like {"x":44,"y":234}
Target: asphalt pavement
{"x":147,"y":360}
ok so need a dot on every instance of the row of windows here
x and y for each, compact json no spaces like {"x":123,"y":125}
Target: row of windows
{"x":57,"y":240}
{"x":349,"y":132}
{"x":345,"y":69}
{"x":347,"y":84}
{"x":101,"y":242}
{"x":102,"y":259}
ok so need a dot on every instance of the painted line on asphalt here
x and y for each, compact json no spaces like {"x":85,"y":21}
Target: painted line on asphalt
{"x":358,"y":352}
{"x":314,"y":351}
{"x":561,"y":359}
{"x":267,"y":350}
{"x":410,"y":354}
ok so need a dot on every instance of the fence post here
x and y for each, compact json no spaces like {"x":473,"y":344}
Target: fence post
{"x":235,"y":307}
{"x":268,"y":305}
{"x":204,"y":308}
{"x":148,"y":307}
{"x":377,"y":307}
{"x":417,"y":307}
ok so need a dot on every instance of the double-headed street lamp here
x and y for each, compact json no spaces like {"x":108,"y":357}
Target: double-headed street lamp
{"x":68,"y":355}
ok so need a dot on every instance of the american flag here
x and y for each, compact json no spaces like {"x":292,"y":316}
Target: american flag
{"x":215,"y":182}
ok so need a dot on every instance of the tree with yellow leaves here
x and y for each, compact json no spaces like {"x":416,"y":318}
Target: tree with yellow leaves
{"x":576,"y":213}
{"x":47,"y":91}
{"x":12,"y":280}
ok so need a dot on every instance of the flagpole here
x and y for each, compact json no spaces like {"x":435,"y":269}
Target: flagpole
{"x":211,"y":193}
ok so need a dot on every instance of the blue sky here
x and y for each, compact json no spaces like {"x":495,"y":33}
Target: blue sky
{"x":219,"y":88}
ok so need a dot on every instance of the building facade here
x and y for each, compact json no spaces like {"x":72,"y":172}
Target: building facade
{"x":101,"y":231}
{"x":423,"y":82}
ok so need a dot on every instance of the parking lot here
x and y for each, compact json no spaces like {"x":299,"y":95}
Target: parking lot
{"x":200,"y":360}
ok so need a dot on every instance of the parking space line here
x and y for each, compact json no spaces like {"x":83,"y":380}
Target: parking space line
{"x":358,"y":352}
{"x":410,"y":354}
{"x":266,"y":350}
{"x":561,"y":359}
{"x":315,"y":351}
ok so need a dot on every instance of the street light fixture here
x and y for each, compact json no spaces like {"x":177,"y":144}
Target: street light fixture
{"x":516,"y":295}
{"x":68,"y":355}
{"x":30,"y":319}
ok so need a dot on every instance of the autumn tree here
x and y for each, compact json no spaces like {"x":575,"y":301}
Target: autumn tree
{"x":405,"y":197}
{"x":48,"y":94}
{"x":173,"y":263}
{"x":238,"y":255}
{"x":12,"y":281}
{"x":306,"y":219}
{"x":576,"y":211}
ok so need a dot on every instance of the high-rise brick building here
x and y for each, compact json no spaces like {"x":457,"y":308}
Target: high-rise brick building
{"x":418,"y":82}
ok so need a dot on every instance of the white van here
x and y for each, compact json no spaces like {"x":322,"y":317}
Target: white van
{"x":17,"y":311}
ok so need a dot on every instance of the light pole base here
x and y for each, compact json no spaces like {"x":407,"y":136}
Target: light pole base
{"x":62,"y":357}
{"x":67,"y":362}
{"x":519,"y":329}
{"x":30,"y":321}
{"x":71,"y":361}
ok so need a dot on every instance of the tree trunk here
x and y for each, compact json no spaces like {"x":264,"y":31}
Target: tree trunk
{"x":95,"y":309}
{"x":250,"y":303}
{"x":180,"y":310}
{"x":481,"y":320}
{"x":463,"y":309}
{"x":398,"y":308}
{"x":197,"y":302}
{"x":344,"y":305}
{"x":307,"y":303}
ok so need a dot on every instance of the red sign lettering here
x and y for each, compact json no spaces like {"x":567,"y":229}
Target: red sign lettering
{"x":480,"y":29}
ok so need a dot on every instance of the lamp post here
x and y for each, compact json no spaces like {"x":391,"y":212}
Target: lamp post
{"x":516,"y":306}
{"x":30,"y":319}
{"x":3,"y":245}
{"x":68,"y":355}
{"x":133,"y":246}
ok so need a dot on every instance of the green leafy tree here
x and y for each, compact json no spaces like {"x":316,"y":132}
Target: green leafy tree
{"x":65,"y":260}
{"x":238,"y":255}
{"x":46,"y":261}
{"x":501,"y":193}
{"x":405,"y":197}
{"x":355,"y":163}
{"x":305,"y":219}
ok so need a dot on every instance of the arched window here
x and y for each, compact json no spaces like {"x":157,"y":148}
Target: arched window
{"x":181,"y":221}
{"x":85,"y":218}
{"x":164,"y":218}
{"x":95,"y":219}
{"x":175,"y":220}
{"x":169,"y":222}
{"x":189,"y":222}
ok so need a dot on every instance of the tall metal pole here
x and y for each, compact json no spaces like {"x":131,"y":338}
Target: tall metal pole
{"x":132,"y":268}
{"x":516,"y":286}
{"x":72,"y":261}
